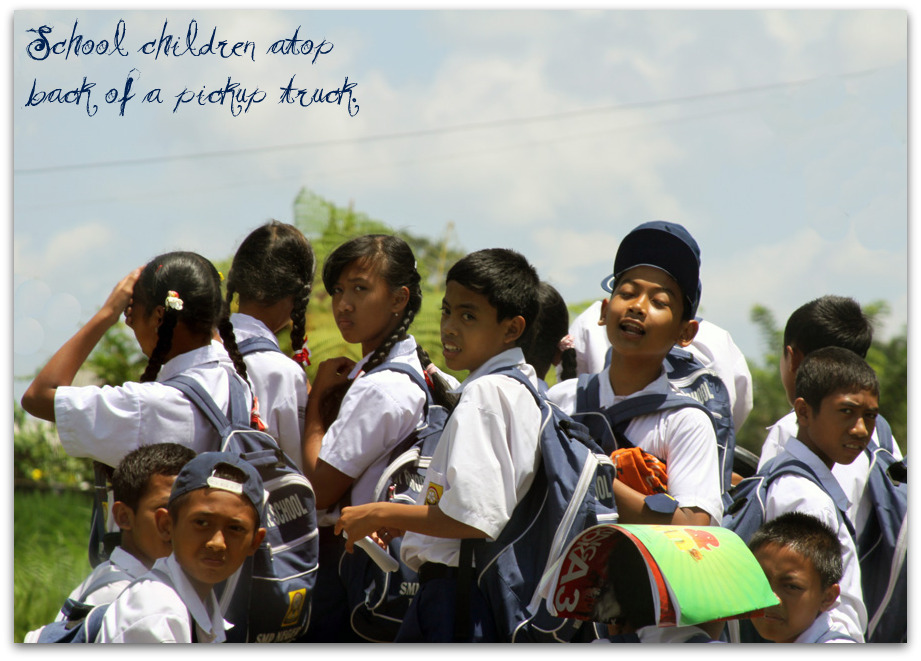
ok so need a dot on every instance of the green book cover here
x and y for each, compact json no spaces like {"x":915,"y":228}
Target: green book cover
{"x":697,"y":573}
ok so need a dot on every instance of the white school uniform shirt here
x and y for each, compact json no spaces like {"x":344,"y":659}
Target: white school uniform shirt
{"x":821,"y":626}
{"x":852,"y":477}
{"x":106,"y":423}
{"x":792,"y":493}
{"x":683,"y":438}
{"x":119,"y":561}
{"x":712,"y":345}
{"x":280,"y":385}
{"x":378,"y":411}
{"x":157,"y":610}
{"x":485,"y":460}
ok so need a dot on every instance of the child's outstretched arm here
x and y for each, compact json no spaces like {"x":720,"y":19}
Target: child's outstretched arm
{"x":38,"y":399}
{"x":631,"y":508}
{"x":362,"y":520}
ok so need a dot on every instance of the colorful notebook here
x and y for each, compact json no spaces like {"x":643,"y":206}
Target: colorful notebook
{"x":698,"y":573}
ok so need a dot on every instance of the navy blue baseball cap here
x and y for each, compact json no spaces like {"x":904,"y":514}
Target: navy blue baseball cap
{"x":666,"y":246}
{"x":199,"y":474}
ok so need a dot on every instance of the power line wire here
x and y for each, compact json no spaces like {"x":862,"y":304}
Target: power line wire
{"x":460,"y":128}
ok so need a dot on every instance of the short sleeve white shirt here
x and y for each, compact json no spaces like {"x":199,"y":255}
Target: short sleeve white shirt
{"x":159,"y":609}
{"x":119,"y":562}
{"x":712,"y":345}
{"x":279,"y":384}
{"x":378,"y":411}
{"x":683,"y":438}
{"x":791,"y":493}
{"x":485,"y":461}
{"x":106,"y":423}
{"x":852,"y":477}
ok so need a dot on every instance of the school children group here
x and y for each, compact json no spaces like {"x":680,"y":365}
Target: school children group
{"x":190,"y":516}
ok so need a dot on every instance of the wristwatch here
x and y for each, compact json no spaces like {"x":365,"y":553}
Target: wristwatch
{"x":661,"y":503}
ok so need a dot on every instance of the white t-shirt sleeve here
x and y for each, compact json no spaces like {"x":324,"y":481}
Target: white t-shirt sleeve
{"x":692,"y":460}
{"x":372,"y":420}
{"x":488,"y":469}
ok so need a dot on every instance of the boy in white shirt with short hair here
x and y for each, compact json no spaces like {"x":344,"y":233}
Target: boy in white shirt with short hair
{"x":214,"y":522}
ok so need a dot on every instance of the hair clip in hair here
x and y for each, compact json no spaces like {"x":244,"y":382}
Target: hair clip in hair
{"x":302,"y":356}
{"x":568,"y":342}
{"x":173,"y":301}
{"x":221,"y":276}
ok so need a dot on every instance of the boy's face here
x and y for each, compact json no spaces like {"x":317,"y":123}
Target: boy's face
{"x":643,"y":315}
{"x":841,"y":428}
{"x":140,"y":536}
{"x":214,"y":532}
{"x":471,"y":332}
{"x":797,"y":584}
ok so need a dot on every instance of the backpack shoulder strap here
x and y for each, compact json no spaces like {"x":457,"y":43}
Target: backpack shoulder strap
{"x":587,"y":388}
{"x":257,"y":343}
{"x":408,"y":370}
{"x":797,"y":467}
{"x":200,"y":397}
{"x":884,"y":435}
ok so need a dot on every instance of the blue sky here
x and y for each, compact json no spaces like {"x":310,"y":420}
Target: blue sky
{"x":778,"y":138}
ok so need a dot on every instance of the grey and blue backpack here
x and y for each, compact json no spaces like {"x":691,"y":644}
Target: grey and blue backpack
{"x":269,"y":598}
{"x":572,"y":491}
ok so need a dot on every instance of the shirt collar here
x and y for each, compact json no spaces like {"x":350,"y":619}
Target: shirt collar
{"x":606,"y":392}
{"x":246,"y":326}
{"x":210,"y":353}
{"x":213,"y":624}
{"x":124,"y":560}
{"x":513,"y":357}
{"x":401,"y":348}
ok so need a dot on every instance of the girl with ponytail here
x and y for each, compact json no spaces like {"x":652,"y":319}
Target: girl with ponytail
{"x":174,"y":306}
{"x":272,"y":275}
{"x":376,"y":294}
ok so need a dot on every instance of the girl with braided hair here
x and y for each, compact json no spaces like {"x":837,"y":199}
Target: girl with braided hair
{"x":376,"y":293}
{"x":272,"y":275}
{"x":174,"y":306}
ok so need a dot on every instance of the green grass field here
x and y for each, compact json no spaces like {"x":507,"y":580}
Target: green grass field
{"x":49,"y":554}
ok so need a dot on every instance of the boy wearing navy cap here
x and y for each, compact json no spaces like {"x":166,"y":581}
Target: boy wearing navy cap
{"x":214,"y":522}
{"x":655,"y":290}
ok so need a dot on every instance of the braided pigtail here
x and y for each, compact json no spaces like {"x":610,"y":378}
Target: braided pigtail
{"x":188,"y":289}
{"x":568,"y":364}
{"x":299,"y":317}
{"x":164,"y":344}
{"x":440,"y":388}
{"x":399,"y":333}
{"x":273,"y":262}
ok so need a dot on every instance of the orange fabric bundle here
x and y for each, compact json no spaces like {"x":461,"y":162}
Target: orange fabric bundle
{"x":640,"y":470}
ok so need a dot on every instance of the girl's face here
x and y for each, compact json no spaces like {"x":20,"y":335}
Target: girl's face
{"x":144,"y":323}
{"x":365,"y":307}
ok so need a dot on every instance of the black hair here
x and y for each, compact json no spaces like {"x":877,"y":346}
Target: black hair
{"x":223,"y":471}
{"x":131,"y":478}
{"x":394,"y":261}
{"x":198,"y":284}
{"x":829,"y":321}
{"x":275,"y":261}
{"x":830,"y":370}
{"x":808,"y":536}
{"x":551,"y":326}
{"x":508,"y":282}
{"x":625,"y":594}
